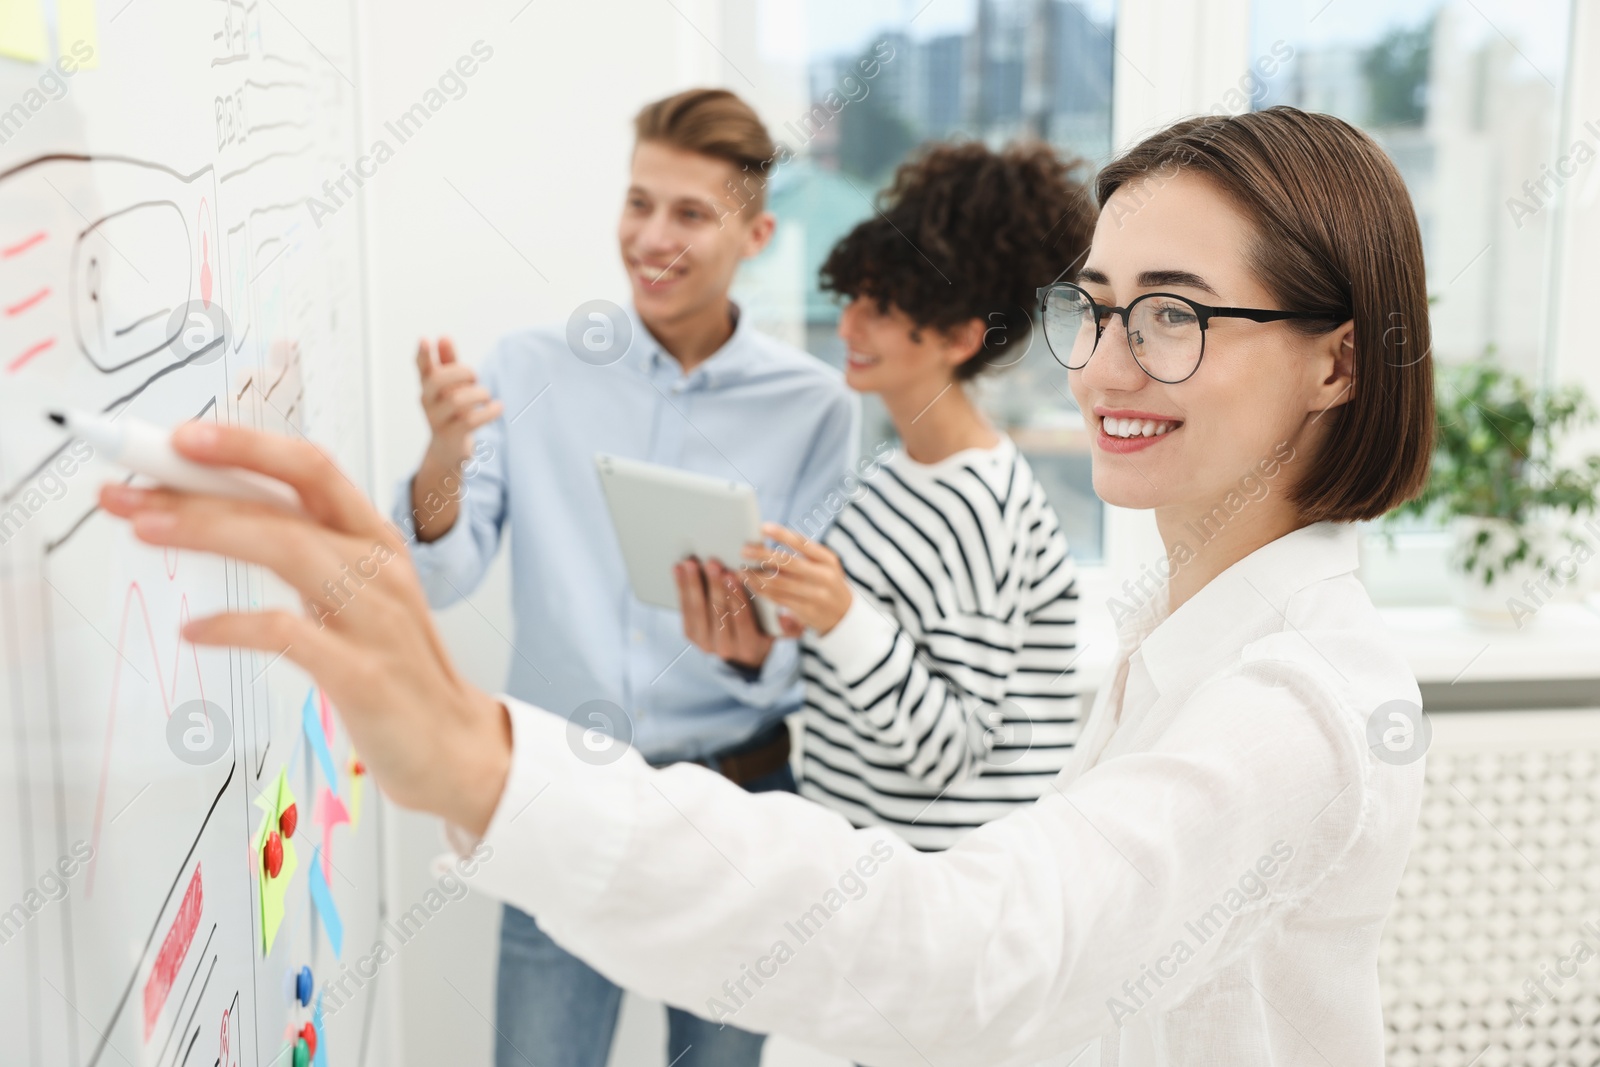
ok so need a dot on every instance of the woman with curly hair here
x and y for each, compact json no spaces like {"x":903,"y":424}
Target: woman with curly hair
{"x":938,"y":614}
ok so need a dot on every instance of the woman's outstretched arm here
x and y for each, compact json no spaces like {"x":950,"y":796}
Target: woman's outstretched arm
{"x":1035,"y":934}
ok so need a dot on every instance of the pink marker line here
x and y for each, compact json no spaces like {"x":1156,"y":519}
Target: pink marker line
{"x":23,"y":305}
{"x":18,"y":363}
{"x":134,"y":591}
{"x":22,"y":245}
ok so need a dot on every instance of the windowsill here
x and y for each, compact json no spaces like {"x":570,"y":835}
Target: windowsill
{"x":1560,"y":643}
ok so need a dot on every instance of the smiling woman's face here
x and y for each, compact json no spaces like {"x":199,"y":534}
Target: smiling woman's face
{"x":1259,"y":386}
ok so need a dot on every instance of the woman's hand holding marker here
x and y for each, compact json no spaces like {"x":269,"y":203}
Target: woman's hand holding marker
{"x":434,"y":741}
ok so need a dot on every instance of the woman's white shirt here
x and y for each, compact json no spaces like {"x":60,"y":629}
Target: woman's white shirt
{"x":1205,"y":884}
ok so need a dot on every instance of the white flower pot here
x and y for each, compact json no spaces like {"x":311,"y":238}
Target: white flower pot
{"x":1502,"y":602}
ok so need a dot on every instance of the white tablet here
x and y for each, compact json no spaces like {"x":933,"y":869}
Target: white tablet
{"x":663,"y":515}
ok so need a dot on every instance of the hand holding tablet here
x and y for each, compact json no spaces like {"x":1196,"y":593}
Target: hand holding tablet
{"x":664,"y":516}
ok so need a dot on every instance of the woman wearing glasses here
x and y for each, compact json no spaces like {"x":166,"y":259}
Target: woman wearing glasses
{"x":1208,"y":877}
{"x":939,"y":613}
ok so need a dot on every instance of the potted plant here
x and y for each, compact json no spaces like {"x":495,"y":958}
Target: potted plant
{"x":1497,"y":481}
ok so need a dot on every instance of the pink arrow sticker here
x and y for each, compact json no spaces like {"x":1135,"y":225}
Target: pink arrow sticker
{"x":330,"y":813}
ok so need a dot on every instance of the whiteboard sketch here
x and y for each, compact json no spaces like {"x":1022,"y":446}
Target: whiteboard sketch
{"x":157,"y":259}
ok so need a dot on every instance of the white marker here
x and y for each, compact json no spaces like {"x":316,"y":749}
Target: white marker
{"x":147,"y":449}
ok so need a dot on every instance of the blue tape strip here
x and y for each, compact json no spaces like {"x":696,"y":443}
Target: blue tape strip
{"x":327,"y":910}
{"x":319,"y":742}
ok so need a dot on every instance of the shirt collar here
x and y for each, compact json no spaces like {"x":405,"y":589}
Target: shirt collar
{"x":1253,"y":595}
{"x":650,"y":358}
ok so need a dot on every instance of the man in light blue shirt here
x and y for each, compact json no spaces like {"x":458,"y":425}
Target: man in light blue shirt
{"x":679,"y":379}
{"x":757,"y":411}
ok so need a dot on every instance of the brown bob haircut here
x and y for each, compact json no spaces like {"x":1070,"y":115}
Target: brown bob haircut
{"x":715,"y":123}
{"x":1335,"y":232}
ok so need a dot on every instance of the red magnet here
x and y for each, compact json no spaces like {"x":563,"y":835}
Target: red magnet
{"x":289,"y":820}
{"x":308,"y":1034}
{"x":272,"y":855}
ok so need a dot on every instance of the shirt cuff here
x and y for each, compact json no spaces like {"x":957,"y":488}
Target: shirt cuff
{"x":773,"y":669}
{"x":405,"y":518}
{"x":859,"y":641}
{"x":562,"y":824}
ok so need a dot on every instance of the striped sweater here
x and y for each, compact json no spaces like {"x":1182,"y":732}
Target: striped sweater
{"x":945,"y":697}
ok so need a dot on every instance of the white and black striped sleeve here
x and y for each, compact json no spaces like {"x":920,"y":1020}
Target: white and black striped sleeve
{"x":936,"y":729}
{"x":939,"y":720}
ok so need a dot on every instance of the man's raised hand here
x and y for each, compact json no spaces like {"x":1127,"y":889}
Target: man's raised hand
{"x":454,"y":402}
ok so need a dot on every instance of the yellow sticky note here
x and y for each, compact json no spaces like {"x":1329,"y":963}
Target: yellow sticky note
{"x":22,"y":33}
{"x":76,"y":33}
{"x":358,"y":775}
{"x":273,"y":890}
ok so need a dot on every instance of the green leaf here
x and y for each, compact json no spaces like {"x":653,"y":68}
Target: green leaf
{"x":1497,"y":439}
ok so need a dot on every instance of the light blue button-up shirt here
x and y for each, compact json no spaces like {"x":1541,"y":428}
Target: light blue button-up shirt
{"x":757,"y":411}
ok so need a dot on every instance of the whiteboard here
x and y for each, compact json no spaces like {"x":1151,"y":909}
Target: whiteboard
{"x":158,"y":259}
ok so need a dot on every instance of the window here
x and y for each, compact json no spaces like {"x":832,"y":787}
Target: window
{"x":995,"y":70}
{"x":1466,"y":96}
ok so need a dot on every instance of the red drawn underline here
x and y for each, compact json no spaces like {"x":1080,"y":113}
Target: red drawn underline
{"x":17,"y":364}
{"x":23,"y":305}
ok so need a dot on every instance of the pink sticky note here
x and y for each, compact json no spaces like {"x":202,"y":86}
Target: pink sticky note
{"x":327,"y":716}
{"x":330,"y":813}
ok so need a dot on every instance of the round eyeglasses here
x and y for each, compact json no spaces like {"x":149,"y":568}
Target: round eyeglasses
{"x":1166,"y":332}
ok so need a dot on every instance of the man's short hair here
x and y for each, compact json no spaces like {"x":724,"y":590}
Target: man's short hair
{"x":715,"y":123}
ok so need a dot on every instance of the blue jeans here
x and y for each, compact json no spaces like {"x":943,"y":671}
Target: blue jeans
{"x":554,"y":1010}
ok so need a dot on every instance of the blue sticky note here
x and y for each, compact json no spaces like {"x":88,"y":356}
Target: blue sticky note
{"x":321,"y":1058}
{"x":318,"y":740}
{"x":327,"y":911}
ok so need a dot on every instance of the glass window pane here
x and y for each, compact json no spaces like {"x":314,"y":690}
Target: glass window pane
{"x":1466,"y":96}
{"x":991,"y":69}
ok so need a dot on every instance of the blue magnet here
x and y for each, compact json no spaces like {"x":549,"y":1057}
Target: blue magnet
{"x":302,"y":986}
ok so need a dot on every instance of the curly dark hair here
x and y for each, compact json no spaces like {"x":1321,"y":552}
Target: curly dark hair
{"x":966,"y":232}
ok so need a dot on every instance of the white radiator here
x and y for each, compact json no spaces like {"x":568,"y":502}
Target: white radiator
{"x":1491,"y":955}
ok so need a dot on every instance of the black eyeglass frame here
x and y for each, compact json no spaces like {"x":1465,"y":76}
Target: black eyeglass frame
{"x":1203,"y":314}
